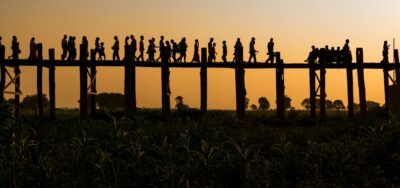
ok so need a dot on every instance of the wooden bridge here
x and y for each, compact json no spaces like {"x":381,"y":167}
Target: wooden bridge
{"x":88,"y":66}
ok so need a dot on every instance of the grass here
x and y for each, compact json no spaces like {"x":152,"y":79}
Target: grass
{"x":141,"y":149}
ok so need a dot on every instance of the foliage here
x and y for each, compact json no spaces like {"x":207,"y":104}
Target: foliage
{"x":180,"y":105}
{"x":110,"y":100}
{"x":30,"y":102}
{"x":215,"y":150}
{"x":263,"y":103}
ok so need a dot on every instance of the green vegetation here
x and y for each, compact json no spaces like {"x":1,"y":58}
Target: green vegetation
{"x":218,"y":150}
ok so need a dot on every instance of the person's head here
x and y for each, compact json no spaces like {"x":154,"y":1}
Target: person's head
{"x":326,"y":47}
{"x":97,"y":39}
{"x":102,"y":43}
{"x":84,"y":38}
{"x":71,"y":37}
{"x":197,"y":41}
{"x":132,"y":37}
{"x":1,"y":38}
{"x":162,"y":37}
{"x":211,"y":39}
{"x":313,"y":47}
{"x":153,"y":39}
{"x":347,"y":41}
{"x":33,"y":39}
{"x":271,"y":39}
{"x":253,"y":39}
{"x":385,"y":42}
{"x":333,"y":48}
{"x":167,"y":42}
{"x":65,"y":36}
{"x":238,"y":39}
{"x":142,"y":37}
{"x":338,"y":48}
{"x":214,"y":44}
{"x":172,"y":41}
{"x":126,"y":39}
{"x":14,"y":37}
{"x":183,"y":39}
{"x":116,"y":38}
{"x":150,"y":41}
{"x":224,"y":42}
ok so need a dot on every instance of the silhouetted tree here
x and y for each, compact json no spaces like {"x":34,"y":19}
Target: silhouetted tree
{"x":180,"y":105}
{"x":30,"y":102}
{"x":253,"y":107}
{"x":338,"y":105}
{"x":263,"y":103}
{"x":372,"y":105}
{"x":110,"y":100}
{"x":306,"y":103}
{"x":288,"y":102}
{"x":329,"y":105}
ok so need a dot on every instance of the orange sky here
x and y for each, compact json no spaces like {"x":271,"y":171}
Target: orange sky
{"x":295,"y":26}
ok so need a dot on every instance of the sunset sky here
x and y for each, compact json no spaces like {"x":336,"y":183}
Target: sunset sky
{"x":294,"y":24}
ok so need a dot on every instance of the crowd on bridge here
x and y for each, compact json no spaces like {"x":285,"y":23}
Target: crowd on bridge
{"x":170,"y":49}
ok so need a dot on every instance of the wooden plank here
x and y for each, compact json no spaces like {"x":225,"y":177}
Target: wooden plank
{"x":203,"y":81}
{"x":93,"y":88}
{"x":361,"y":82}
{"x":280,"y":87}
{"x":240,"y":86}
{"x":52,"y":85}
{"x":39,"y":79}
{"x":83,"y":82}
{"x":2,"y":72}
{"x":350,"y":92}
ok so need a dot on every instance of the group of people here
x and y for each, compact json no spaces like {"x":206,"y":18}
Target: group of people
{"x":330,"y":55}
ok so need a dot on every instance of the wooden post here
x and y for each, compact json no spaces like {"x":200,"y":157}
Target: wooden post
{"x":361,"y":82}
{"x":17,"y":90}
{"x":165,"y":87}
{"x":93,"y":89}
{"x":83,"y":81}
{"x":280,"y":87}
{"x":127,"y":80}
{"x":39,"y":79}
{"x":395,"y":103}
{"x":350,"y":93}
{"x":322,"y":84}
{"x":2,"y":72}
{"x":133,"y":82}
{"x":240,"y":86}
{"x":313,"y":104}
{"x":203,"y":81}
{"x":386,"y":84}
{"x":52,"y":84}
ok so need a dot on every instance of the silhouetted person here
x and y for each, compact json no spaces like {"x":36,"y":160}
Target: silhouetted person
{"x":385,"y":52}
{"x":133,"y":47}
{"x":32,"y":50}
{"x":322,"y":56}
{"x":102,"y":52}
{"x":338,"y":55}
{"x":0,"y":40}
{"x":151,"y":50}
{"x":346,"y":53}
{"x":85,"y":42}
{"x":15,"y":48}
{"x":224,"y":51}
{"x":71,"y":49}
{"x":97,"y":47}
{"x":196,"y":55}
{"x":329,"y":55}
{"x":115,"y":49}
{"x":238,"y":50}
{"x":64,"y":46}
{"x":210,"y":49}
{"x":175,"y":50}
{"x":182,"y":50}
{"x":252,"y":51}
{"x":162,"y":48}
{"x":141,"y":49}
{"x":214,"y":53}
{"x":313,"y":55}
{"x":271,"y":53}
{"x":127,"y":49}
{"x":168,"y":51}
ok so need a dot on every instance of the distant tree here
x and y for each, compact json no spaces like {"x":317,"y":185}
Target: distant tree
{"x":306,"y":103}
{"x":329,"y":105}
{"x":356,"y":106}
{"x":180,"y":105}
{"x":110,"y":100}
{"x":338,"y":105}
{"x":372,"y":105}
{"x":288,"y":102}
{"x":263,"y":103}
{"x":253,"y":107}
{"x":246,"y":103}
{"x":30,"y":102}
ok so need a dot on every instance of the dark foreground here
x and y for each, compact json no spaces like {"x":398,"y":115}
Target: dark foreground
{"x":218,"y":150}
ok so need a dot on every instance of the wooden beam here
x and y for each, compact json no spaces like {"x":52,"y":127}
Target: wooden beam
{"x":83,"y":82}
{"x":203,"y":81}
{"x":240,"y":86}
{"x":39,"y":79}
{"x":2,"y":72}
{"x":361,"y":82}
{"x":93,"y":89}
{"x":313,"y":104}
{"x":350,"y":93}
{"x":322,"y":99}
{"x":52,"y":85}
{"x":280,"y":87}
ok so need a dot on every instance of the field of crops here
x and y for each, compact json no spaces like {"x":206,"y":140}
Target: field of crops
{"x":187,"y":150}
